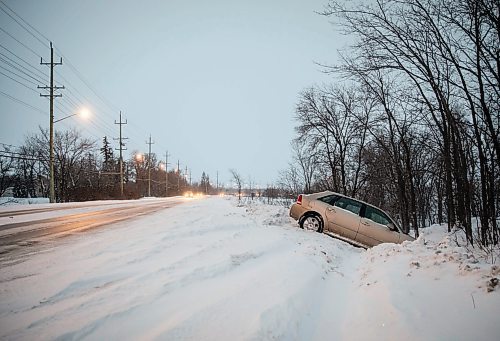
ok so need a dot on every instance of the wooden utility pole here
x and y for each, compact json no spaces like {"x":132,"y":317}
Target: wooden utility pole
{"x":178,"y":178}
{"x":186,"y":175}
{"x":121,"y":148}
{"x":149,"y":165}
{"x":51,"y":96}
{"x":166,"y":174}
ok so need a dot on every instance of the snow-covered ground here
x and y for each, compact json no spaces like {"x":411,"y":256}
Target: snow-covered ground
{"x":7,"y":201}
{"x":212,"y":270}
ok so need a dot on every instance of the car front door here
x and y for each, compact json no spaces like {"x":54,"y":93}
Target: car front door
{"x":374,"y":228}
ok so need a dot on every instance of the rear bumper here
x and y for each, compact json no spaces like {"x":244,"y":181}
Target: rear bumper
{"x":296,"y":211}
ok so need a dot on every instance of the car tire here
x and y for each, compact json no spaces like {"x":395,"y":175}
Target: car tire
{"x":311,"y":221}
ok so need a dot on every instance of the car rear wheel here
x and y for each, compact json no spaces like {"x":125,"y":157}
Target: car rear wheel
{"x":312,"y":222}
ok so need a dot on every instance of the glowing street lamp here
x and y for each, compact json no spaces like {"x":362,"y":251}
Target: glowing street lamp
{"x":139,"y":157}
{"x":84,"y":113}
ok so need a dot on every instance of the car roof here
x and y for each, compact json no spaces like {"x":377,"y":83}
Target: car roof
{"x":326,"y":193}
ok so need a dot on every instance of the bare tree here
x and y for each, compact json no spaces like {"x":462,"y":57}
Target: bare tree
{"x":448,"y":52}
{"x":70,"y":149}
{"x":333,"y":126}
{"x":290,"y":180}
{"x":6,"y":167}
{"x":238,"y":180}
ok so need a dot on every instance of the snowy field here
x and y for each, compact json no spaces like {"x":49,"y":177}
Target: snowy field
{"x":209,"y":269}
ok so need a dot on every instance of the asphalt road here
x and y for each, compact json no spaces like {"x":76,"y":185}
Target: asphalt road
{"x":24,"y":231}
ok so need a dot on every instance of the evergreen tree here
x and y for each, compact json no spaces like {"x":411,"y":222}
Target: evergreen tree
{"x":107,"y":154}
{"x":205,"y":183}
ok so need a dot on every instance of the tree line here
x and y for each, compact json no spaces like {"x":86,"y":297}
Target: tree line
{"x":86,"y":169}
{"x":412,"y":122}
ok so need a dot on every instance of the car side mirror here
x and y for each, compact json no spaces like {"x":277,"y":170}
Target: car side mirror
{"x":391,"y":227}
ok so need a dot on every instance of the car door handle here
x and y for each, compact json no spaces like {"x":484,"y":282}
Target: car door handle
{"x":331,"y":209}
{"x":365,"y":223}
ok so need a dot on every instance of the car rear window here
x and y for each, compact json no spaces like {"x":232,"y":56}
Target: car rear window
{"x":349,"y":204}
{"x":329,"y":199}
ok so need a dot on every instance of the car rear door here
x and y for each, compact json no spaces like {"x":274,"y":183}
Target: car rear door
{"x":374,"y":229}
{"x":343,"y":217}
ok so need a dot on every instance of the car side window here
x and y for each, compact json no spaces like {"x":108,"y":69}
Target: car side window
{"x":329,"y":199}
{"x":377,"y":216}
{"x":349,"y":204}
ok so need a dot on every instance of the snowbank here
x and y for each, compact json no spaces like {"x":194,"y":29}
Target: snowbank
{"x":211,"y":270}
{"x":430,"y":289}
{"x":22,"y":201}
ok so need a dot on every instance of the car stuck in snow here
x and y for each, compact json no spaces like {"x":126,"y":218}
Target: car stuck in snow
{"x":346,"y":218}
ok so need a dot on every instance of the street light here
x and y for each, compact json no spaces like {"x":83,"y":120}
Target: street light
{"x":139,"y":157}
{"x":84,"y":113}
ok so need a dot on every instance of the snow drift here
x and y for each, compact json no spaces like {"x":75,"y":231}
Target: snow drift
{"x":211,"y":270}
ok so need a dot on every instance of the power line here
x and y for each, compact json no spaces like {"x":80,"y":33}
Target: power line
{"x":23,"y":157}
{"x":24,"y":21}
{"x":75,"y":97}
{"x":63,"y":108}
{"x":22,"y":66}
{"x":27,"y":87}
{"x":23,"y":60}
{"x":96,"y":119}
{"x":73,"y":94}
{"x":73,"y":68}
{"x":21,"y":102}
{"x":22,"y":44}
{"x":37,"y":38}
{"x":103,"y":100}
{"x":18,"y":75}
{"x":80,"y":76}
{"x":20,"y":70}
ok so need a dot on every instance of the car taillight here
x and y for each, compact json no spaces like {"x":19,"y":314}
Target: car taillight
{"x":299,"y":199}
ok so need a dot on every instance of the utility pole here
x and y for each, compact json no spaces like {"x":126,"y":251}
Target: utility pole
{"x":51,"y":96}
{"x":149,"y":165}
{"x":217,"y":182}
{"x":166,"y":174}
{"x":178,"y":178}
{"x":207,"y":183}
{"x":190,"y":174}
{"x":120,"y":123}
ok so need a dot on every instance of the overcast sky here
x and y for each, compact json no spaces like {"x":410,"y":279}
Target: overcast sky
{"x":214,"y":82}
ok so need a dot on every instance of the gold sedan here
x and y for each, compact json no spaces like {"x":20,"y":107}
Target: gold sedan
{"x":346,"y":218}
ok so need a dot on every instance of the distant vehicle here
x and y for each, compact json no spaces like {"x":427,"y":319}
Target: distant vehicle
{"x":190,"y":194}
{"x":346,"y":218}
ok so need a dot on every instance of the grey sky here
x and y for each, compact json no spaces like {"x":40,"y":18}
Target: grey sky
{"x":214,"y":82}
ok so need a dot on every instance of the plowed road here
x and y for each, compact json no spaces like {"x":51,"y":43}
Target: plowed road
{"x":20,"y":228}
